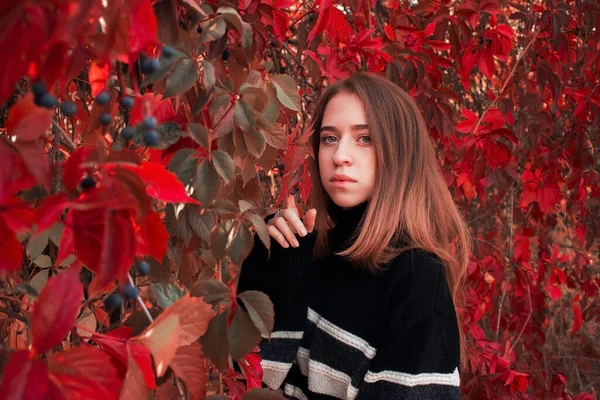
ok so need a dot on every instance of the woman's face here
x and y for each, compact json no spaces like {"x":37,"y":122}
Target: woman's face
{"x":346,"y":153}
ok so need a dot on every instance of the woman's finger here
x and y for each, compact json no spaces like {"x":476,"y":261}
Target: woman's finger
{"x":278,"y":236}
{"x":293,"y":219}
{"x":285,"y":228}
{"x":309,"y":219}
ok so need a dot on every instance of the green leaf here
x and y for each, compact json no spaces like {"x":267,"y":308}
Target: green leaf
{"x":243,"y":336}
{"x":207,"y":183}
{"x":213,"y":31}
{"x":260,"y":309}
{"x":241,"y":245}
{"x":274,"y":106}
{"x":274,"y":133}
{"x":223,"y":206}
{"x":215,"y":342}
{"x":183,"y":77}
{"x":183,"y":166}
{"x":165,"y":65}
{"x":245,"y":30}
{"x":219,"y":238}
{"x":255,"y":142}
{"x":208,"y":74}
{"x":166,"y":293}
{"x":201,"y":224}
{"x":223,"y":164}
{"x":213,"y":291}
{"x":287,"y":92}
{"x":43,"y":261}
{"x":261,"y":229}
{"x":199,"y":134}
{"x":244,"y":116}
{"x":245,"y":205}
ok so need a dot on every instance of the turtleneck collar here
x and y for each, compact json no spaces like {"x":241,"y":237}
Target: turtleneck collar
{"x":346,"y":223}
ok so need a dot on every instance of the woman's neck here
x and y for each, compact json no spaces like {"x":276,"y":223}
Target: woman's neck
{"x":347,"y":222}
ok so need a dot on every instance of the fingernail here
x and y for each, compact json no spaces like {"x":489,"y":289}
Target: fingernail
{"x":296,"y":244}
{"x":285,"y":245}
{"x":303,"y":231}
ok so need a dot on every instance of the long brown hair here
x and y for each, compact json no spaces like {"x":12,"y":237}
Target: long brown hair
{"x":411,"y":203}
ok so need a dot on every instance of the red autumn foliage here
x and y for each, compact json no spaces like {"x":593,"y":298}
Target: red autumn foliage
{"x":510,"y":92}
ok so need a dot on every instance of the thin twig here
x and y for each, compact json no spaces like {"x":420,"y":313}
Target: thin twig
{"x":180,"y":389}
{"x":11,"y":313}
{"x":526,"y":321}
{"x":508,"y":78}
{"x":70,"y":144}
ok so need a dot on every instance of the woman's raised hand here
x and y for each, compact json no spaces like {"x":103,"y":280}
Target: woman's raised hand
{"x":287,"y":222}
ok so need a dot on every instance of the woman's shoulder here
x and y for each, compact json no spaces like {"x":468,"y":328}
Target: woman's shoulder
{"x":419,"y":281}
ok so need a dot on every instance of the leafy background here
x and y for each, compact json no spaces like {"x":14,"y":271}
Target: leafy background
{"x":123,"y":234}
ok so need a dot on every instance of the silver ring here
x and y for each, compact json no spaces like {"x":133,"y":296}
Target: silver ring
{"x":278,"y":213}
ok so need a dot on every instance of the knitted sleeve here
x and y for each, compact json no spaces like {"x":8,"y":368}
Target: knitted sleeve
{"x":418,"y":356}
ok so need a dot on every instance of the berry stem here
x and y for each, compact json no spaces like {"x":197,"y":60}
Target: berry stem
{"x":139,"y":300}
{"x":70,"y":144}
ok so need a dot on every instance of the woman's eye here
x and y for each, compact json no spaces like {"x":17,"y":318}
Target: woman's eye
{"x":328,"y":139}
{"x":365,"y":138}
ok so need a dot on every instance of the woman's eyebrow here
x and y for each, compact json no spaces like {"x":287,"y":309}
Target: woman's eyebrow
{"x":353,"y":127}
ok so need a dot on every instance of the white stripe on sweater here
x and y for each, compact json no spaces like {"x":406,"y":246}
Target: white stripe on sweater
{"x":342,"y":335}
{"x":404,"y":379}
{"x":285,"y":335}
{"x":324,"y":379}
{"x":295,"y":392}
{"x":274,"y":373}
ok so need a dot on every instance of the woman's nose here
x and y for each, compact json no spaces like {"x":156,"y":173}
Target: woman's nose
{"x":342,"y":154}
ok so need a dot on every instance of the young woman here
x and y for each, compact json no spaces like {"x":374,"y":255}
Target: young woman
{"x":365,"y":285}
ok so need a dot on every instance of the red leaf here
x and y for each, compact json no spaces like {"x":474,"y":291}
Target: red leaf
{"x":162,"y":184}
{"x":26,"y":121}
{"x":67,"y":243}
{"x":142,"y":28}
{"x":305,"y":184}
{"x":486,"y":65}
{"x":321,"y":24}
{"x":50,"y":210}
{"x":85,"y":372}
{"x":36,"y":160}
{"x":338,"y":29}
{"x":13,"y":174}
{"x":440,"y":45}
{"x":577,"y":321}
{"x":12,"y":253}
{"x":56,"y":309}
{"x":17,"y":214}
{"x":547,"y":199}
{"x":390,"y":33}
{"x":505,"y":30}
{"x":252,"y":370}
{"x":24,"y":378}
{"x":97,"y":75}
{"x":116,"y":343}
{"x":152,"y":237}
{"x":280,"y":23}
{"x":73,"y":173}
{"x":104,"y":242}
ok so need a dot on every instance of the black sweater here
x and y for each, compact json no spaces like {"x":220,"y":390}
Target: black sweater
{"x":342,"y":332}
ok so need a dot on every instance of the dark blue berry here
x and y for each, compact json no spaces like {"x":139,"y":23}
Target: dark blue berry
{"x":103,"y":98}
{"x":149,"y":66}
{"x":114,"y":300}
{"x":167,"y":52}
{"x":105,"y":119}
{"x":130,"y":292}
{"x":151,"y":137}
{"x":143,"y":268}
{"x":199,"y":29}
{"x":281,"y":166}
{"x":68,"y":108}
{"x":127,"y":133}
{"x":294,"y":190}
{"x":226,"y":54}
{"x":38,"y":88}
{"x":149,"y":122}
{"x":88,"y":183}
{"x":46,"y":100}
{"x":127,"y":102}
